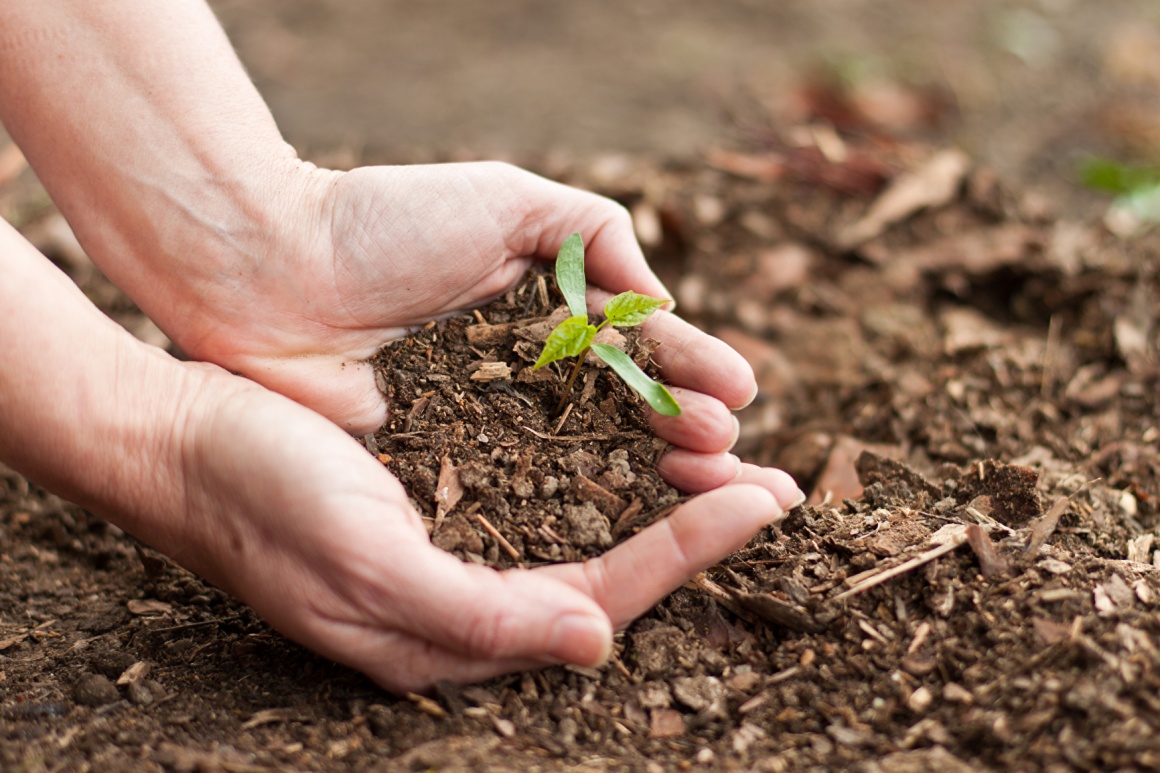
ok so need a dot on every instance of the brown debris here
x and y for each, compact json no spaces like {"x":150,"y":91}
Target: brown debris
{"x":587,"y":490}
{"x":448,"y":490}
{"x":666,"y":723}
{"x":934,"y":184}
{"x":990,"y":562}
{"x":492,"y":371}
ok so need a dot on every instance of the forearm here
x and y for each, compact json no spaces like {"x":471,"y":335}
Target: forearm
{"x":145,"y":129}
{"x":85,"y":409}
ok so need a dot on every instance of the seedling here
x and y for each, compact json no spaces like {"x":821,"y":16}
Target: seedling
{"x":574,"y":336}
{"x":1136,"y":188}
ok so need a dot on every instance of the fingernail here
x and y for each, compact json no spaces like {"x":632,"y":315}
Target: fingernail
{"x":736,"y":464}
{"x":580,"y":639}
{"x":799,"y":500}
{"x":749,"y":400}
{"x":736,"y":430}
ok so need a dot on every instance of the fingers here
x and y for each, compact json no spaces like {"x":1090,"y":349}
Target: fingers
{"x":631,"y":578}
{"x":705,"y":424}
{"x":696,"y":473}
{"x":480,"y":614}
{"x":341,"y":389}
{"x":625,"y":583}
{"x":778,"y":482}
{"x":695,"y":360}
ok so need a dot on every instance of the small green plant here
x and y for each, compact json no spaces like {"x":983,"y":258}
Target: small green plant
{"x":574,"y":336}
{"x":1136,"y":188}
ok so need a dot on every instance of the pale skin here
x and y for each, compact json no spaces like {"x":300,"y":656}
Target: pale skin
{"x":281,"y":279}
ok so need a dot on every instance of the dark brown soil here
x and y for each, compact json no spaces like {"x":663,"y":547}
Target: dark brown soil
{"x":969,"y":393}
{"x":475,"y":439}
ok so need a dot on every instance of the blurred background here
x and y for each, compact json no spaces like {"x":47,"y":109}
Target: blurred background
{"x":1029,"y":86}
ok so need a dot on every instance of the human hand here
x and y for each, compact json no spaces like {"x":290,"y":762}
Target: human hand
{"x":277,"y":505}
{"x":292,"y":516}
{"x":362,"y":256}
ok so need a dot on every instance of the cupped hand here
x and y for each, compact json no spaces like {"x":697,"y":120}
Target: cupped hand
{"x":364,"y":255}
{"x":291,"y":515}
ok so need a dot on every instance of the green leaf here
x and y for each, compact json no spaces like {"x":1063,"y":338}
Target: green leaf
{"x":653,"y":393}
{"x":1106,"y":175}
{"x":568,"y":339}
{"x":570,"y":275}
{"x":629,"y":308}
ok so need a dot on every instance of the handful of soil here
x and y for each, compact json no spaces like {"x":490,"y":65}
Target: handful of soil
{"x":497,"y":477}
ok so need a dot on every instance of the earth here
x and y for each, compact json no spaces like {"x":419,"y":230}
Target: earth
{"x":960,"y":366}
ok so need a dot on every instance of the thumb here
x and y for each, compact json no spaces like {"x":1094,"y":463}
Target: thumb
{"x":613,"y":258}
{"x":488,"y":615}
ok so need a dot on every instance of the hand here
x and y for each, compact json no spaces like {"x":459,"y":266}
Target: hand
{"x":360,"y":257}
{"x":280,"y":507}
{"x":291,"y":515}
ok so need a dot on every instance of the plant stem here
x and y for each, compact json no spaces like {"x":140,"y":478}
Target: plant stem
{"x":571,"y":382}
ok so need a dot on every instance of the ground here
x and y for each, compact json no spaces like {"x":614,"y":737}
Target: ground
{"x":961,"y":370}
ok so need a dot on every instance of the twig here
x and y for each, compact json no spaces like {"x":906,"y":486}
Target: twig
{"x":930,"y":555}
{"x":578,"y":438}
{"x":563,"y":418}
{"x":503,"y":543}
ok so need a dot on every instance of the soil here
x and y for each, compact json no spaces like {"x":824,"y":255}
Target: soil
{"x":966,"y":384}
{"x":963,"y":378}
{"x":476,"y":440}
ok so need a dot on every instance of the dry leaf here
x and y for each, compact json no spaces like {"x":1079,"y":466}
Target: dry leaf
{"x":448,"y":490}
{"x":932,"y":185}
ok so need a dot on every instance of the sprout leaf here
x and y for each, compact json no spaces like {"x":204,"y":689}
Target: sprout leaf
{"x":568,"y":339}
{"x":570,"y":275}
{"x":655,"y":394}
{"x":629,"y":308}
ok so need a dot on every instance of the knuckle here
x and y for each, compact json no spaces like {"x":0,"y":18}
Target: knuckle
{"x":485,"y":634}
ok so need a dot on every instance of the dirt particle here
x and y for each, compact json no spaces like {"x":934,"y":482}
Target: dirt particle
{"x":586,"y":526}
{"x":95,"y":690}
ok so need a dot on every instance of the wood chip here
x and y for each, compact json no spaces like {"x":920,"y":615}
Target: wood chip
{"x":426,"y":705}
{"x":587,"y":490}
{"x":920,"y":634}
{"x":12,"y":641}
{"x":134,"y":673}
{"x":267,"y":717}
{"x":990,"y":562}
{"x":492,"y":371}
{"x":149,"y":607}
{"x":1043,"y":528}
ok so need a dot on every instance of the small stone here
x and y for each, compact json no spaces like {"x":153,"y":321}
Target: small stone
{"x":745,"y":682}
{"x":666,"y":723}
{"x":586,"y":526}
{"x":920,"y":700}
{"x":549,"y":487}
{"x":95,"y":690}
{"x":654,"y":695}
{"x":701,"y":693}
{"x":140,"y":694}
{"x":705,"y":756}
{"x":957,"y":694}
